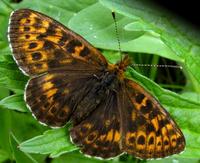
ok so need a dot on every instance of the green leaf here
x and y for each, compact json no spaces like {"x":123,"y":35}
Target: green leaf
{"x":3,"y":155}
{"x":4,"y":14}
{"x":22,"y":127}
{"x":5,"y":125}
{"x":14,"y":102}
{"x":191,"y":96}
{"x":11,"y":77}
{"x":54,"y":142}
{"x":4,"y":92}
{"x":179,"y":37}
{"x":20,"y":156}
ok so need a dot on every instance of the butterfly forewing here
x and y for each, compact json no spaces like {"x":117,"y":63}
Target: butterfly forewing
{"x":41,"y":44}
{"x":71,"y":80}
{"x":148,"y":131}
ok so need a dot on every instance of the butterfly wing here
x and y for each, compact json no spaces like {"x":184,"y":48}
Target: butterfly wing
{"x":99,"y":134}
{"x":61,"y":65}
{"x":41,"y":44}
{"x":53,"y":97}
{"x":147,"y":129}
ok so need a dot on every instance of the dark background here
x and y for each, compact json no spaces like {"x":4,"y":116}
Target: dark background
{"x":189,"y":10}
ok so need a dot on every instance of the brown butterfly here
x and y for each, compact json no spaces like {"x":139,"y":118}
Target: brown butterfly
{"x":72,"y":81}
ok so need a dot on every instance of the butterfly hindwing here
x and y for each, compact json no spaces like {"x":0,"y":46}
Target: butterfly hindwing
{"x":148,"y":131}
{"x":41,"y":44}
{"x":53,"y":96}
{"x":99,"y":134}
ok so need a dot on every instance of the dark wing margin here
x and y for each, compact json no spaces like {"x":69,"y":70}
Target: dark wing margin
{"x":147,"y":129}
{"x":40,"y":44}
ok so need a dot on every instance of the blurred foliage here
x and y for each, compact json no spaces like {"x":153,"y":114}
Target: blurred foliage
{"x":144,"y":30}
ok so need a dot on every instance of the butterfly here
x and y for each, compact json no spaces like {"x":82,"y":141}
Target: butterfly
{"x":71,"y":81}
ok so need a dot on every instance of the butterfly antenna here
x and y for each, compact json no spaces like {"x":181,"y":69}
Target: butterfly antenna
{"x":8,"y":5}
{"x":155,"y":65}
{"x":138,"y":65}
{"x":117,"y":34}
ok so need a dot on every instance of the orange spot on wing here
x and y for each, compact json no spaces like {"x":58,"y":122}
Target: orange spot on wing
{"x":164,"y":131}
{"x":51,"y":92}
{"x":155,"y":123}
{"x":102,"y":137}
{"x":158,"y":147}
{"x":45,"y":23}
{"x":143,"y":103}
{"x":48,"y":77}
{"x":151,"y":147}
{"x":76,"y":54}
{"x":87,"y":125}
{"x":117,"y":136}
{"x":173,"y":143}
{"x":47,"y":85}
{"x":133,"y":115}
{"x":110,"y":135}
{"x":54,"y":39}
{"x":169,"y":127}
{"x":69,"y":60}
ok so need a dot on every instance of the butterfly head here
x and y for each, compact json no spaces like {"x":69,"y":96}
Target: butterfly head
{"x":124,"y":63}
{"x":119,"y":68}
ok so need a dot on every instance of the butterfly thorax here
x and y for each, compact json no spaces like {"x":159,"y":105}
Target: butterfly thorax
{"x":117,"y":70}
